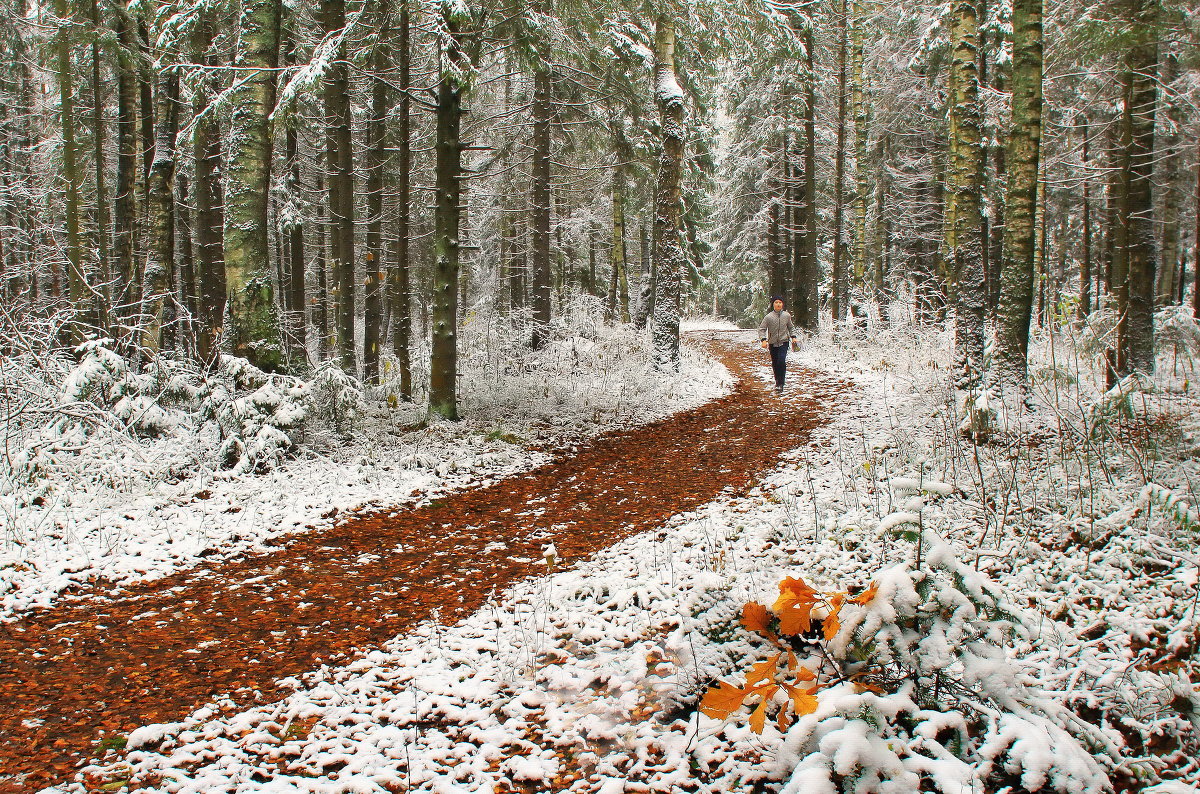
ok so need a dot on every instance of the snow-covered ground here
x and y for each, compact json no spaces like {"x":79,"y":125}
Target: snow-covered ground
{"x":108,"y":506}
{"x":1034,"y":626}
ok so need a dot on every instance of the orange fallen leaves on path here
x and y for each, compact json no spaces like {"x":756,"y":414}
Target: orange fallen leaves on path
{"x":97,"y":666}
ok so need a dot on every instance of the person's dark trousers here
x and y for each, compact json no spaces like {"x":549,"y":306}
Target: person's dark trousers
{"x":779,"y":363}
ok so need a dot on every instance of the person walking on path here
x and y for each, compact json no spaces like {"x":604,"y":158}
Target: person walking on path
{"x":775,"y":332}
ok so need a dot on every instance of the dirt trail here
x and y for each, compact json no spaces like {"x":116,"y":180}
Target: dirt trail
{"x":92,"y":666}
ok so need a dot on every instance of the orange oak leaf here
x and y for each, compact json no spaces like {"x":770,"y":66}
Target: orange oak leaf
{"x":804,"y":674}
{"x":804,"y":701}
{"x":831,"y":624}
{"x":756,"y":617}
{"x":797,"y":619}
{"x":866,"y":596}
{"x":758,"y":717}
{"x":722,"y":700}
{"x":763,"y":671}
{"x":783,"y":720}
{"x":794,"y":605}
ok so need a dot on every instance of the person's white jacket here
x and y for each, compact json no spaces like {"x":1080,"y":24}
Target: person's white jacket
{"x":776,"y":328}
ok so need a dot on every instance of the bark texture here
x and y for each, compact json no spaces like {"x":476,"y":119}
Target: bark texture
{"x":668,"y":255}
{"x":1020,"y":205}
{"x":251,"y":325}
{"x":966,"y":249}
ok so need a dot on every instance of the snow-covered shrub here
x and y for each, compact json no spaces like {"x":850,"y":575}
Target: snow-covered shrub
{"x":1117,"y":404}
{"x":913,"y":685}
{"x":1177,"y":332}
{"x":254,"y":411}
{"x":1099,"y":333}
{"x":334,"y":397}
{"x":141,"y":398}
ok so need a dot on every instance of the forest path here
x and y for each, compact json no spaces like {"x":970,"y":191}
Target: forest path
{"x":96,"y":667}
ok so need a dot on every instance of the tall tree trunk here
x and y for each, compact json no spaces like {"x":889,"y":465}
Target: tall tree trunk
{"x":103,"y":213}
{"x":841,"y":298}
{"x":542,"y":112}
{"x":796,"y":227}
{"x":124,"y":211}
{"x":882,"y":233}
{"x":145,"y":73}
{"x":1140,"y":257}
{"x":668,"y":254}
{"x":1171,"y":157}
{"x":206,"y":151}
{"x":1085,"y":264}
{"x":399,"y":300}
{"x":80,"y":290}
{"x":448,"y":184}
{"x":1040,"y":238}
{"x":989,"y":267}
{"x":320,"y":301}
{"x":862,"y":183}
{"x":967,"y":250}
{"x":294,"y":223}
{"x":1196,"y":244}
{"x":645,"y":306}
{"x":340,"y":161}
{"x":1020,"y":205}
{"x":619,"y":292}
{"x":146,"y":138}
{"x":776,"y":253}
{"x":373,"y":283}
{"x":251,"y":329}
{"x":811,"y":267}
{"x":186,"y":285}
{"x":157,"y":307}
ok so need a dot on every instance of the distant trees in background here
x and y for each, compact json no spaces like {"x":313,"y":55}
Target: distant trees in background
{"x":349,"y":179}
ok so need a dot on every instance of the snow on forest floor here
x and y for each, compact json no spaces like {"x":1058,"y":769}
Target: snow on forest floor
{"x":123,"y":509}
{"x":1033,"y":629}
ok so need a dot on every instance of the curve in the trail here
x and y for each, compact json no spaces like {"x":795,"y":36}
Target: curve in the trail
{"x":91,"y":668}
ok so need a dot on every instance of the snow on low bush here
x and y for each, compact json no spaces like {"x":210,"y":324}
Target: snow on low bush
{"x":127,"y":470}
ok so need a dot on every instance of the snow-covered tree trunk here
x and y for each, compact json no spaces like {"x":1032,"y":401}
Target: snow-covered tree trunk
{"x":1020,"y":211}
{"x":812,"y":266}
{"x":649,"y":276}
{"x":124,"y":211}
{"x":618,"y":299}
{"x":448,"y":179}
{"x":340,"y":153}
{"x":399,"y":300}
{"x":1136,"y":235}
{"x":841,"y":297}
{"x":293,"y":225}
{"x":862,"y":181}
{"x":158,"y":306}
{"x":966,"y":247}
{"x":376,"y":161}
{"x":206,"y":150}
{"x":540,"y":209}
{"x":79,"y":288}
{"x":99,"y":158}
{"x":1170,"y":167}
{"x":251,"y":325}
{"x":668,"y":252}
{"x":1085,"y":254}
{"x":1196,"y":243}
